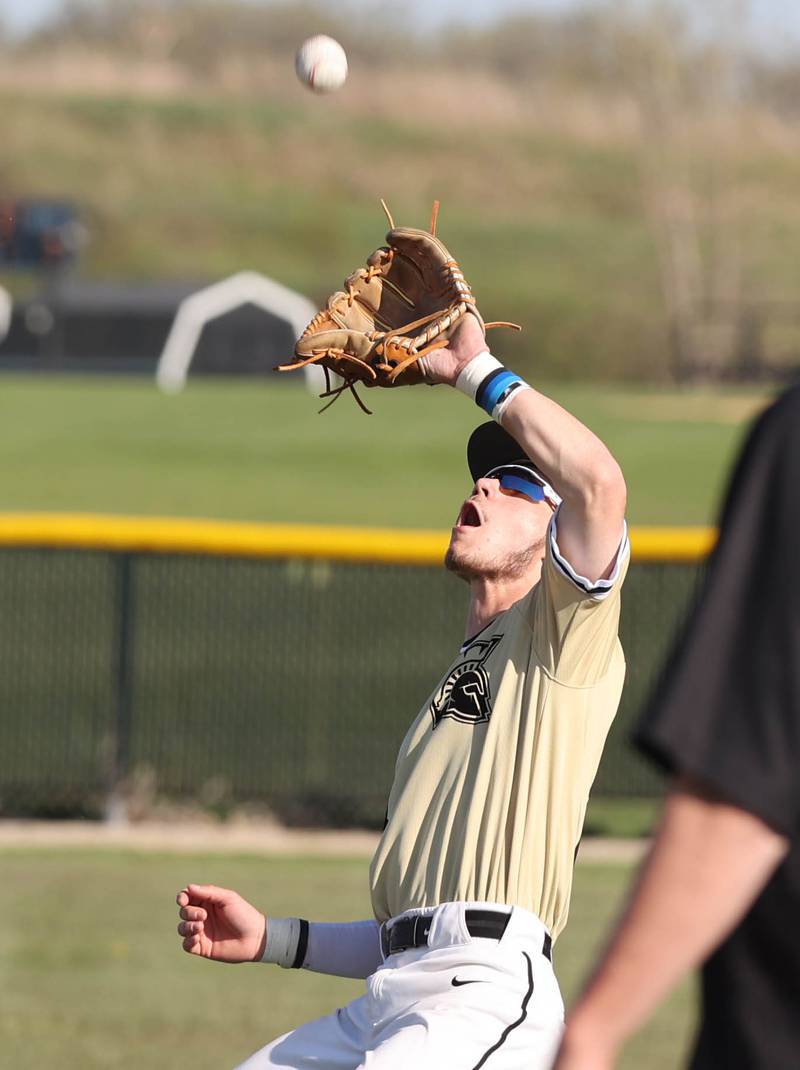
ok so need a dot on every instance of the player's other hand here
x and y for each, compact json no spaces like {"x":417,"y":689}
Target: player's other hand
{"x":217,"y":923}
{"x":445,"y":365}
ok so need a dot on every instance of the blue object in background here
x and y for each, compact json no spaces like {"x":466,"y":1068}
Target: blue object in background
{"x":38,"y":233}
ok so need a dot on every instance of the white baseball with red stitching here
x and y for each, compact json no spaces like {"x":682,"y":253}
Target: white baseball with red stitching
{"x":321,"y":64}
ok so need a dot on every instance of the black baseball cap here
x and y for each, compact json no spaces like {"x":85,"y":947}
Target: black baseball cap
{"x":490,"y":447}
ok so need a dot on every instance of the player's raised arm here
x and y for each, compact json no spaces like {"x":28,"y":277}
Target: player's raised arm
{"x":218,"y":924}
{"x":579,"y":466}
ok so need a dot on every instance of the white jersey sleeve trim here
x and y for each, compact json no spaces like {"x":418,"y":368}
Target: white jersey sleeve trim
{"x":597,"y":590}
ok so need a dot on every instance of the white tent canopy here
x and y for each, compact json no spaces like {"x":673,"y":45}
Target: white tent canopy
{"x":195,"y":311}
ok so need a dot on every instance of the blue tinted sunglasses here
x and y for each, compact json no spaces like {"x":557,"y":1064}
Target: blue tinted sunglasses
{"x":514,"y":479}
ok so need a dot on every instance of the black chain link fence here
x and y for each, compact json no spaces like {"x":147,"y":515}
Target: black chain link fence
{"x":225,"y":681}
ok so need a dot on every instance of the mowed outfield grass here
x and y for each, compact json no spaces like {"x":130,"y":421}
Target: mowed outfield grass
{"x":258,"y":450}
{"x":93,"y":977}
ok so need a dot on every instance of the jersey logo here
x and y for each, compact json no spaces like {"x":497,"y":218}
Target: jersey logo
{"x":464,"y":695}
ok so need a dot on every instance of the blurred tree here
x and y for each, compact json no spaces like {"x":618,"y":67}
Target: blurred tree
{"x":606,"y":45}
{"x":200,"y":34}
{"x":688,"y":87}
{"x":774,"y":81}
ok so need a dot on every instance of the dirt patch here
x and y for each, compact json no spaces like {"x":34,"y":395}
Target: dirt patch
{"x":189,"y":837}
{"x":600,"y":849}
{"x":262,"y":838}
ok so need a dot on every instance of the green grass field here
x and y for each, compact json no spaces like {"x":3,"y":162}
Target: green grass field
{"x":257,"y":451}
{"x":93,"y":977}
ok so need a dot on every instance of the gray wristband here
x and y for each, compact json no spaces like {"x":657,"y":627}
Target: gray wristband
{"x":287,"y":942}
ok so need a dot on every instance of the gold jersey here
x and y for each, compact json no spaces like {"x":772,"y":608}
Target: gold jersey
{"x":492,"y":779}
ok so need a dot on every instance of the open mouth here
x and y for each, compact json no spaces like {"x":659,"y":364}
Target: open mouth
{"x":469,"y":517}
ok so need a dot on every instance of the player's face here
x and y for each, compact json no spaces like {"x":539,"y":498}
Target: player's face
{"x":499,"y":533}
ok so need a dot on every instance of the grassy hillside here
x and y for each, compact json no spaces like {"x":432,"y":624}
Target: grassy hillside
{"x":200,"y":188}
{"x":542,"y":195}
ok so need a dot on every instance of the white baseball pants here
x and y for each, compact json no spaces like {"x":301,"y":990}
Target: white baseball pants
{"x":461,"y":1003}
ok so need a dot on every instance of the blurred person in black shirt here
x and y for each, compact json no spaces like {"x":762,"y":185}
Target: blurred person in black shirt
{"x":721,"y":884}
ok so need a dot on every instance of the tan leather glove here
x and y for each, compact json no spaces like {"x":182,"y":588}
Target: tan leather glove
{"x":405,"y":303}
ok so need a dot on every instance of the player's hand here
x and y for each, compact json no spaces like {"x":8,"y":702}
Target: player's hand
{"x":217,"y":923}
{"x":445,"y":365}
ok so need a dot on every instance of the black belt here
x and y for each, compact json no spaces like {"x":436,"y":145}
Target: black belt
{"x":413,"y":931}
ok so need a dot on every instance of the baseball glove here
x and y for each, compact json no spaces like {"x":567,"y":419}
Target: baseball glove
{"x":403,"y":305}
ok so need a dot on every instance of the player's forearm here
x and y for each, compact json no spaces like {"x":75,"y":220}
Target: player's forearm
{"x":708,"y":863}
{"x":343,"y":949}
{"x":582,"y":470}
{"x":578,"y":464}
{"x":352,"y":949}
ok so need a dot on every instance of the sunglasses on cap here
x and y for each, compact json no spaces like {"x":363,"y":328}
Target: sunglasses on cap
{"x":516,"y":477}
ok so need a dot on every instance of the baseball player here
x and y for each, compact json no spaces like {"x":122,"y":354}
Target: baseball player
{"x":471,"y":879}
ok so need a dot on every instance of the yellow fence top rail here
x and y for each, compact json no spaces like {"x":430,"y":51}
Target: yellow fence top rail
{"x":686,"y":545}
{"x":135,"y":534}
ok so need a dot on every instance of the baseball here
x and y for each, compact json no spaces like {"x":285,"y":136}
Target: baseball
{"x":321,"y":64}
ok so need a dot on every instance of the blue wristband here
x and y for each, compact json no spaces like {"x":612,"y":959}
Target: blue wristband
{"x":496,"y":389}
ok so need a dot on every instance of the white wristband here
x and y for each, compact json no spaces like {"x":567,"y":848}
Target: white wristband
{"x":471,"y":377}
{"x":490,"y":385}
{"x":287,"y":941}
